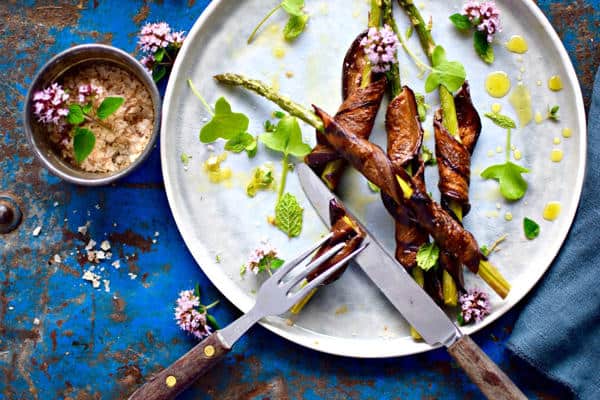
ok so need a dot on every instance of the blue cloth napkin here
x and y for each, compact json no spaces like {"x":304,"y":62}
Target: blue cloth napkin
{"x":558,"y":331}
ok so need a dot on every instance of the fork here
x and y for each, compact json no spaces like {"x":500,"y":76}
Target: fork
{"x":276,"y":295}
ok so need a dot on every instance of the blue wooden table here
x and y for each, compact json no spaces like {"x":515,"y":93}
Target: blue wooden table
{"x":59,"y":338}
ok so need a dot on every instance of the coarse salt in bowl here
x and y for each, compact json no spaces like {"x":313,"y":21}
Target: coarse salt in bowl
{"x":88,"y":74}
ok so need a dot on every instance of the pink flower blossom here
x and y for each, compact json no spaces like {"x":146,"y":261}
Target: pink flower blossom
{"x":380,"y":46}
{"x":50,"y":104}
{"x":157,"y":36}
{"x":485,"y":16}
{"x":148,"y":62}
{"x":188,"y":317}
{"x":474,"y":305}
{"x":264,"y":250}
{"x":87,"y":91}
{"x":177,"y":38}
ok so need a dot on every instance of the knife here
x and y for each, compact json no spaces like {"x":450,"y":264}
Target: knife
{"x":414,"y":303}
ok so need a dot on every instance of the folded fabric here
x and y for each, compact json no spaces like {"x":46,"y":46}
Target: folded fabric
{"x":558,"y":331}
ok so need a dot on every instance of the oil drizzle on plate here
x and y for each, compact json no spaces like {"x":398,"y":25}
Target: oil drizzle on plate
{"x":517,"y":44}
{"x":520,"y":99}
{"x":555,"y":83}
{"x":551,"y":210}
{"x":556,"y":155}
{"x":497,"y":84}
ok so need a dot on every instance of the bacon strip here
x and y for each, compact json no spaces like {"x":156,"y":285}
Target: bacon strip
{"x":372,"y":162}
{"x":357,"y":113}
{"x":344,"y":229}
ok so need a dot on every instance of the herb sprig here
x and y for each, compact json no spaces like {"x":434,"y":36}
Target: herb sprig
{"x":427,"y":256}
{"x":484,"y":20}
{"x":508,"y":174}
{"x":296,"y":22}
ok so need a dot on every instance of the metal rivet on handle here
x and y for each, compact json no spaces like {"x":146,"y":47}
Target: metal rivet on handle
{"x":10,"y":214}
{"x":209,"y":351}
{"x":171,"y":381}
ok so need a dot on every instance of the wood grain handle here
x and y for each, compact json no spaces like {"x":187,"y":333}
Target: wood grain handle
{"x":483,"y":372}
{"x":182,"y":373}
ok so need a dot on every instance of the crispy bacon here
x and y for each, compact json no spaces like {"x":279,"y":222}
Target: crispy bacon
{"x":344,"y":229}
{"x":372,"y":162}
{"x":357,"y":113}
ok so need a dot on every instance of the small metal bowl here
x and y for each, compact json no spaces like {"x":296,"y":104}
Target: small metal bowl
{"x":52,"y":71}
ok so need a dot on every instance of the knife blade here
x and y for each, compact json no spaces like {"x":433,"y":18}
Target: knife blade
{"x":389,"y":275}
{"x":414,"y":303}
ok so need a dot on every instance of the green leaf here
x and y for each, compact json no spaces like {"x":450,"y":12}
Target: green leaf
{"x":512,"y":184}
{"x":422,"y":107}
{"x":484,"y":50}
{"x":461,"y":21}
{"x":240,"y":142}
{"x":502,"y":121}
{"x":287,"y":138}
{"x":427,"y":155}
{"x":288,"y":215}
{"x":276,"y":263}
{"x":262,"y":179}
{"x":212,"y":322}
{"x":531,"y":228}
{"x":293,"y":7}
{"x":108,"y":107}
{"x":484,"y":250}
{"x":252,"y":148}
{"x":409,"y":32}
{"x":450,"y":74}
{"x":83,"y":144}
{"x":185,"y":159}
{"x":158,"y":73}
{"x":87,"y":108}
{"x":75,"y":116}
{"x":160,"y":54}
{"x":295,"y":26}
{"x":427,"y":256}
{"x":224,"y":123}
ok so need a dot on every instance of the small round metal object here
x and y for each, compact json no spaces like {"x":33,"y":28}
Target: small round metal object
{"x":171,"y":381}
{"x":10,"y":214}
{"x":209,"y":351}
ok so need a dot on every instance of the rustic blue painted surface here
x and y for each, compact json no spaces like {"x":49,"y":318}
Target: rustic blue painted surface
{"x":90,"y":344}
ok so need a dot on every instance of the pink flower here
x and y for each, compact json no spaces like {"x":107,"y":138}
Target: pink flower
{"x":157,"y":36}
{"x":86,"y":91}
{"x":474,"y":306}
{"x":264,"y":250}
{"x":188,"y":317}
{"x":380,"y":46}
{"x":148,"y":62}
{"x":177,"y":38}
{"x":50,"y":104}
{"x":485,"y":16}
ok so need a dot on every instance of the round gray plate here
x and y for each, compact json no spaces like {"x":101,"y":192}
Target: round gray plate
{"x":351,"y":317}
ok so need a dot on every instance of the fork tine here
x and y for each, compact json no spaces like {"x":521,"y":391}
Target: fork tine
{"x":312,"y":265}
{"x":322,"y":277}
{"x":285,"y":268}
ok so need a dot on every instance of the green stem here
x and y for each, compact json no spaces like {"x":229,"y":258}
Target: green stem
{"x":374,"y":22}
{"x":420,"y":26}
{"x":284,"y":171}
{"x":449,"y":110}
{"x":89,"y":118}
{"x":262,"y":21}
{"x":393,"y":74}
{"x":211,"y":305}
{"x":199,"y":96}
{"x":264,"y":90}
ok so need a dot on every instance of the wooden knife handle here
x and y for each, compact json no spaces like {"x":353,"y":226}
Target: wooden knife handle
{"x":483,"y":372}
{"x":182,"y":373}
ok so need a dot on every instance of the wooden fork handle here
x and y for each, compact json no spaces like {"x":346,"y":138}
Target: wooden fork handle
{"x":483,"y":372}
{"x":182,"y":373}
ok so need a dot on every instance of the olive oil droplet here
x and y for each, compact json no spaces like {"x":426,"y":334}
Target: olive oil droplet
{"x":520,"y":99}
{"x":556,"y":155}
{"x":538,"y":117}
{"x":566,"y":132}
{"x":556,"y":140}
{"x":496,"y":107}
{"x":508,"y":216}
{"x":517,"y":44}
{"x":517,"y":154}
{"x":497,"y":84}
{"x":555,"y":83}
{"x":551,"y":210}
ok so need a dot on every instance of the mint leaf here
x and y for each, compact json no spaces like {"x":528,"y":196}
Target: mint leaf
{"x":427,"y":256}
{"x":461,"y":21}
{"x":427,"y":155}
{"x":288,"y":215}
{"x":252,"y":148}
{"x":374,"y":188}
{"x":508,"y":175}
{"x":295,"y":26}
{"x":240,"y":142}
{"x":224,"y":123}
{"x":450,"y":74}
{"x":212,"y":322}
{"x":87,"y":108}
{"x":293,"y":7}
{"x":502,"y":121}
{"x":287,"y":138}
{"x":531,"y":228}
{"x":160,"y":54}
{"x":75,"y":115}
{"x":83,"y":144}
{"x":484,"y":50}
{"x":108,"y":107}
